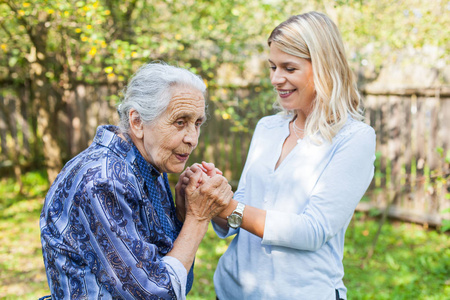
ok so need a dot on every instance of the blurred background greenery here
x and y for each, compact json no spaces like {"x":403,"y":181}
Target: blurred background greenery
{"x":409,"y":261}
{"x":64,"y":63}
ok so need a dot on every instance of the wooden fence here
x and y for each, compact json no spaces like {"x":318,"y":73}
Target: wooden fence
{"x":413,"y":140}
{"x":412,"y":136}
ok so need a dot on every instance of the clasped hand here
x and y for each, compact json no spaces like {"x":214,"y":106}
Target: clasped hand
{"x":202,"y":192}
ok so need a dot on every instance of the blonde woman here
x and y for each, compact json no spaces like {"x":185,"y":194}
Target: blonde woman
{"x":306,"y":170}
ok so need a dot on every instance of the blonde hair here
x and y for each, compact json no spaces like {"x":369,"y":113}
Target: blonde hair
{"x":315,"y":37}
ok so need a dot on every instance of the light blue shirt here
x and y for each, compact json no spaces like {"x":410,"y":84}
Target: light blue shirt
{"x":310,"y":199}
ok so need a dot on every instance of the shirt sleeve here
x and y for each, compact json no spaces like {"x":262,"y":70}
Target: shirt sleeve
{"x":178,"y":276}
{"x":333,"y":199}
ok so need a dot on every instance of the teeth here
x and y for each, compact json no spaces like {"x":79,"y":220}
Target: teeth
{"x":284,"y":92}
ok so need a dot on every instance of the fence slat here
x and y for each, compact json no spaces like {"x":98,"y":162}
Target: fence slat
{"x":410,"y":126}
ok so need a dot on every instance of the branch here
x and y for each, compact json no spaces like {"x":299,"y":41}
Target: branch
{"x":2,"y":24}
{"x":33,"y":38}
{"x":131,"y":8}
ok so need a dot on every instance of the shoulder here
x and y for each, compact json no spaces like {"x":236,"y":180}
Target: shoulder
{"x":98,"y":163}
{"x":355,"y":128}
{"x":356,"y":137}
{"x":273,"y":121}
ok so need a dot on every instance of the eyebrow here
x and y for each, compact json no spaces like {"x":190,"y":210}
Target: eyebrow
{"x":285,"y":63}
{"x":189,"y":116}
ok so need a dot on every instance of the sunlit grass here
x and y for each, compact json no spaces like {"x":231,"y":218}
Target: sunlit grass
{"x":409,"y":262}
{"x":22,"y":273}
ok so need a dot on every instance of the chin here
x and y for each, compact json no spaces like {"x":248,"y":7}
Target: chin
{"x":288,"y":108}
{"x":177,"y":169}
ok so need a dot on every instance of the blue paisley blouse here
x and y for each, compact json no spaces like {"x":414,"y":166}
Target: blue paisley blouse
{"x":101,"y":236}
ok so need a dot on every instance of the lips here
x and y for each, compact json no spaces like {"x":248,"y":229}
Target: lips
{"x":285,"y":93}
{"x":182,"y":156}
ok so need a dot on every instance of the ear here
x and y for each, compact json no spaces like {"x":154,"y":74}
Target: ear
{"x":136,"y":125}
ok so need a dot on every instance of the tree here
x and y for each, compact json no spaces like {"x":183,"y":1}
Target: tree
{"x":48,"y":48}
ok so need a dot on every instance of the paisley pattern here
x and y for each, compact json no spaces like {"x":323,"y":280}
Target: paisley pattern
{"x":101,"y":236}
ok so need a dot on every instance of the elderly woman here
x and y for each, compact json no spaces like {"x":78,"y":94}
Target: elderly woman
{"x":109,"y":226}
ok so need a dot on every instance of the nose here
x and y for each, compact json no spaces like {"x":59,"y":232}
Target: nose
{"x":277,"y":78}
{"x":191,"y":136}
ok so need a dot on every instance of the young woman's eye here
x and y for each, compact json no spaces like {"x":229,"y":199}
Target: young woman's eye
{"x":290,"y":70}
{"x":273,"y":68}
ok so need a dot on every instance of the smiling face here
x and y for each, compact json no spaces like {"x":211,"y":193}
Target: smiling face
{"x":168,"y":142}
{"x":292,"y":77}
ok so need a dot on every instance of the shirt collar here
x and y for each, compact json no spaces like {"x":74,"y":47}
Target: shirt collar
{"x":107,"y":136}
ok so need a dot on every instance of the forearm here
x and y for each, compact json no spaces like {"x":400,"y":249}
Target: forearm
{"x":186,"y":245}
{"x":253,"y":221}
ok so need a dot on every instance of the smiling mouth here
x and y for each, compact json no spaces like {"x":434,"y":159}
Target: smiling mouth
{"x":285,"y":93}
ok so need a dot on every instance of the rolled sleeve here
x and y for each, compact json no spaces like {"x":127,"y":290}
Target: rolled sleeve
{"x":223,"y":233}
{"x":178,"y":276}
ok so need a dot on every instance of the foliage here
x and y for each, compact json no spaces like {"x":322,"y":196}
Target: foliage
{"x":409,"y":262}
{"x":48,"y":47}
{"x":110,"y":39}
{"x":441,"y":178}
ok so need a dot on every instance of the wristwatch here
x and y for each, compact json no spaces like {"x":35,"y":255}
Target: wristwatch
{"x":235,"y":219}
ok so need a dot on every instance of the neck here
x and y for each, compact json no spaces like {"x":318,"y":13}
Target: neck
{"x":139,"y":143}
{"x":299,"y":120}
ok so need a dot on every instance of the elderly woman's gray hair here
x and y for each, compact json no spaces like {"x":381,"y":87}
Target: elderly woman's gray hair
{"x":150,"y":91}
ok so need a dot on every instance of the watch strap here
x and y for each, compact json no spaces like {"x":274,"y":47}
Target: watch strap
{"x":239,"y":209}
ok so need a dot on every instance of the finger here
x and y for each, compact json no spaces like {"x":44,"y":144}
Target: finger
{"x":204,"y":177}
{"x":189,"y":173}
{"x":208,"y":166}
{"x":185,"y":180}
{"x":202,"y":167}
{"x":211,"y":169}
{"x":219,"y":180}
{"x":196,"y":167}
{"x":193,"y":180}
{"x":184,"y":185}
{"x":224,"y":188}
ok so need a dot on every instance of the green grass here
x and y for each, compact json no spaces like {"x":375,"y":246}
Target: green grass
{"x":22,"y":273}
{"x":410,"y":262}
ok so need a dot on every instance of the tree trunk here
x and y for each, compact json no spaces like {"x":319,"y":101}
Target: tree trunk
{"x":9,"y":112}
{"x":48,"y":126}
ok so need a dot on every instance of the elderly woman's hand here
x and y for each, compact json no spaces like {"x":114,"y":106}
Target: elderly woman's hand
{"x":207,"y":168}
{"x":206,"y":201}
{"x":180,"y":195}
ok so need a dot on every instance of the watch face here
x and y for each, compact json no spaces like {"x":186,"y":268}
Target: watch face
{"x":234,"y":221}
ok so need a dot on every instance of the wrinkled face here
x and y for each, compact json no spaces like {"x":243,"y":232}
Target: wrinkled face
{"x":169,"y":140}
{"x":292,"y":77}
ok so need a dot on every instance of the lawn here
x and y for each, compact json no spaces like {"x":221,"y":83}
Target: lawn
{"x":409,"y":262}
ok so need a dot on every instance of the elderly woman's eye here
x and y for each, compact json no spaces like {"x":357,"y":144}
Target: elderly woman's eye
{"x":179,"y":123}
